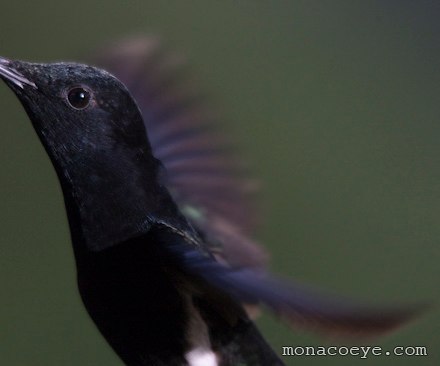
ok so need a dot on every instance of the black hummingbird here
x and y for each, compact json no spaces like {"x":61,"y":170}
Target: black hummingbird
{"x":161,"y":214}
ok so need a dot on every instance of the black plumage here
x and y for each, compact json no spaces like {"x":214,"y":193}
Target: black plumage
{"x":161,"y":213}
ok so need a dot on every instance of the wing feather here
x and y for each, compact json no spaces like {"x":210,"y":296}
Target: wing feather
{"x":297,"y":304}
{"x":184,"y":134}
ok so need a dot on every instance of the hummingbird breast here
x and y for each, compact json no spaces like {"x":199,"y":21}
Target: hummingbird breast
{"x":136,"y":304}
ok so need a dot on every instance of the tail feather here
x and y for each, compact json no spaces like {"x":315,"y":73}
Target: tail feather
{"x":252,"y":348}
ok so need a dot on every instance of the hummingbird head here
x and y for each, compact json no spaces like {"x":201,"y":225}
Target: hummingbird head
{"x":93,"y":131}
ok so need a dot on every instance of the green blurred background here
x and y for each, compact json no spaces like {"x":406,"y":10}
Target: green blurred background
{"x":336,"y":102}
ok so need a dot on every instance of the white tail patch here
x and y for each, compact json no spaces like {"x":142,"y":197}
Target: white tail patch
{"x":197,"y":335}
{"x":201,"y":357}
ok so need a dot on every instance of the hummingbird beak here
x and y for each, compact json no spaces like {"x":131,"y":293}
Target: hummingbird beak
{"x":9,"y":73}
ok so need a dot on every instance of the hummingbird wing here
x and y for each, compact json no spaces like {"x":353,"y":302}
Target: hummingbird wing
{"x":210,"y":184}
{"x":295,"y":303}
{"x":213,"y":190}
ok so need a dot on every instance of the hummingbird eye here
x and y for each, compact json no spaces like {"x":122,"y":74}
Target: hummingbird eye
{"x":79,"y":97}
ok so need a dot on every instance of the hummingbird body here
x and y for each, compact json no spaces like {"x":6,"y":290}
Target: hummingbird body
{"x":131,"y":287}
{"x":160,"y":216}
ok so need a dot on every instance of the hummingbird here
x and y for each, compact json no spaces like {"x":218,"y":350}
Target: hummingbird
{"x":162,"y":215}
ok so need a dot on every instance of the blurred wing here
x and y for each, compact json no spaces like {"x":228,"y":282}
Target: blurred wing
{"x":204,"y":176}
{"x":294,"y":303}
